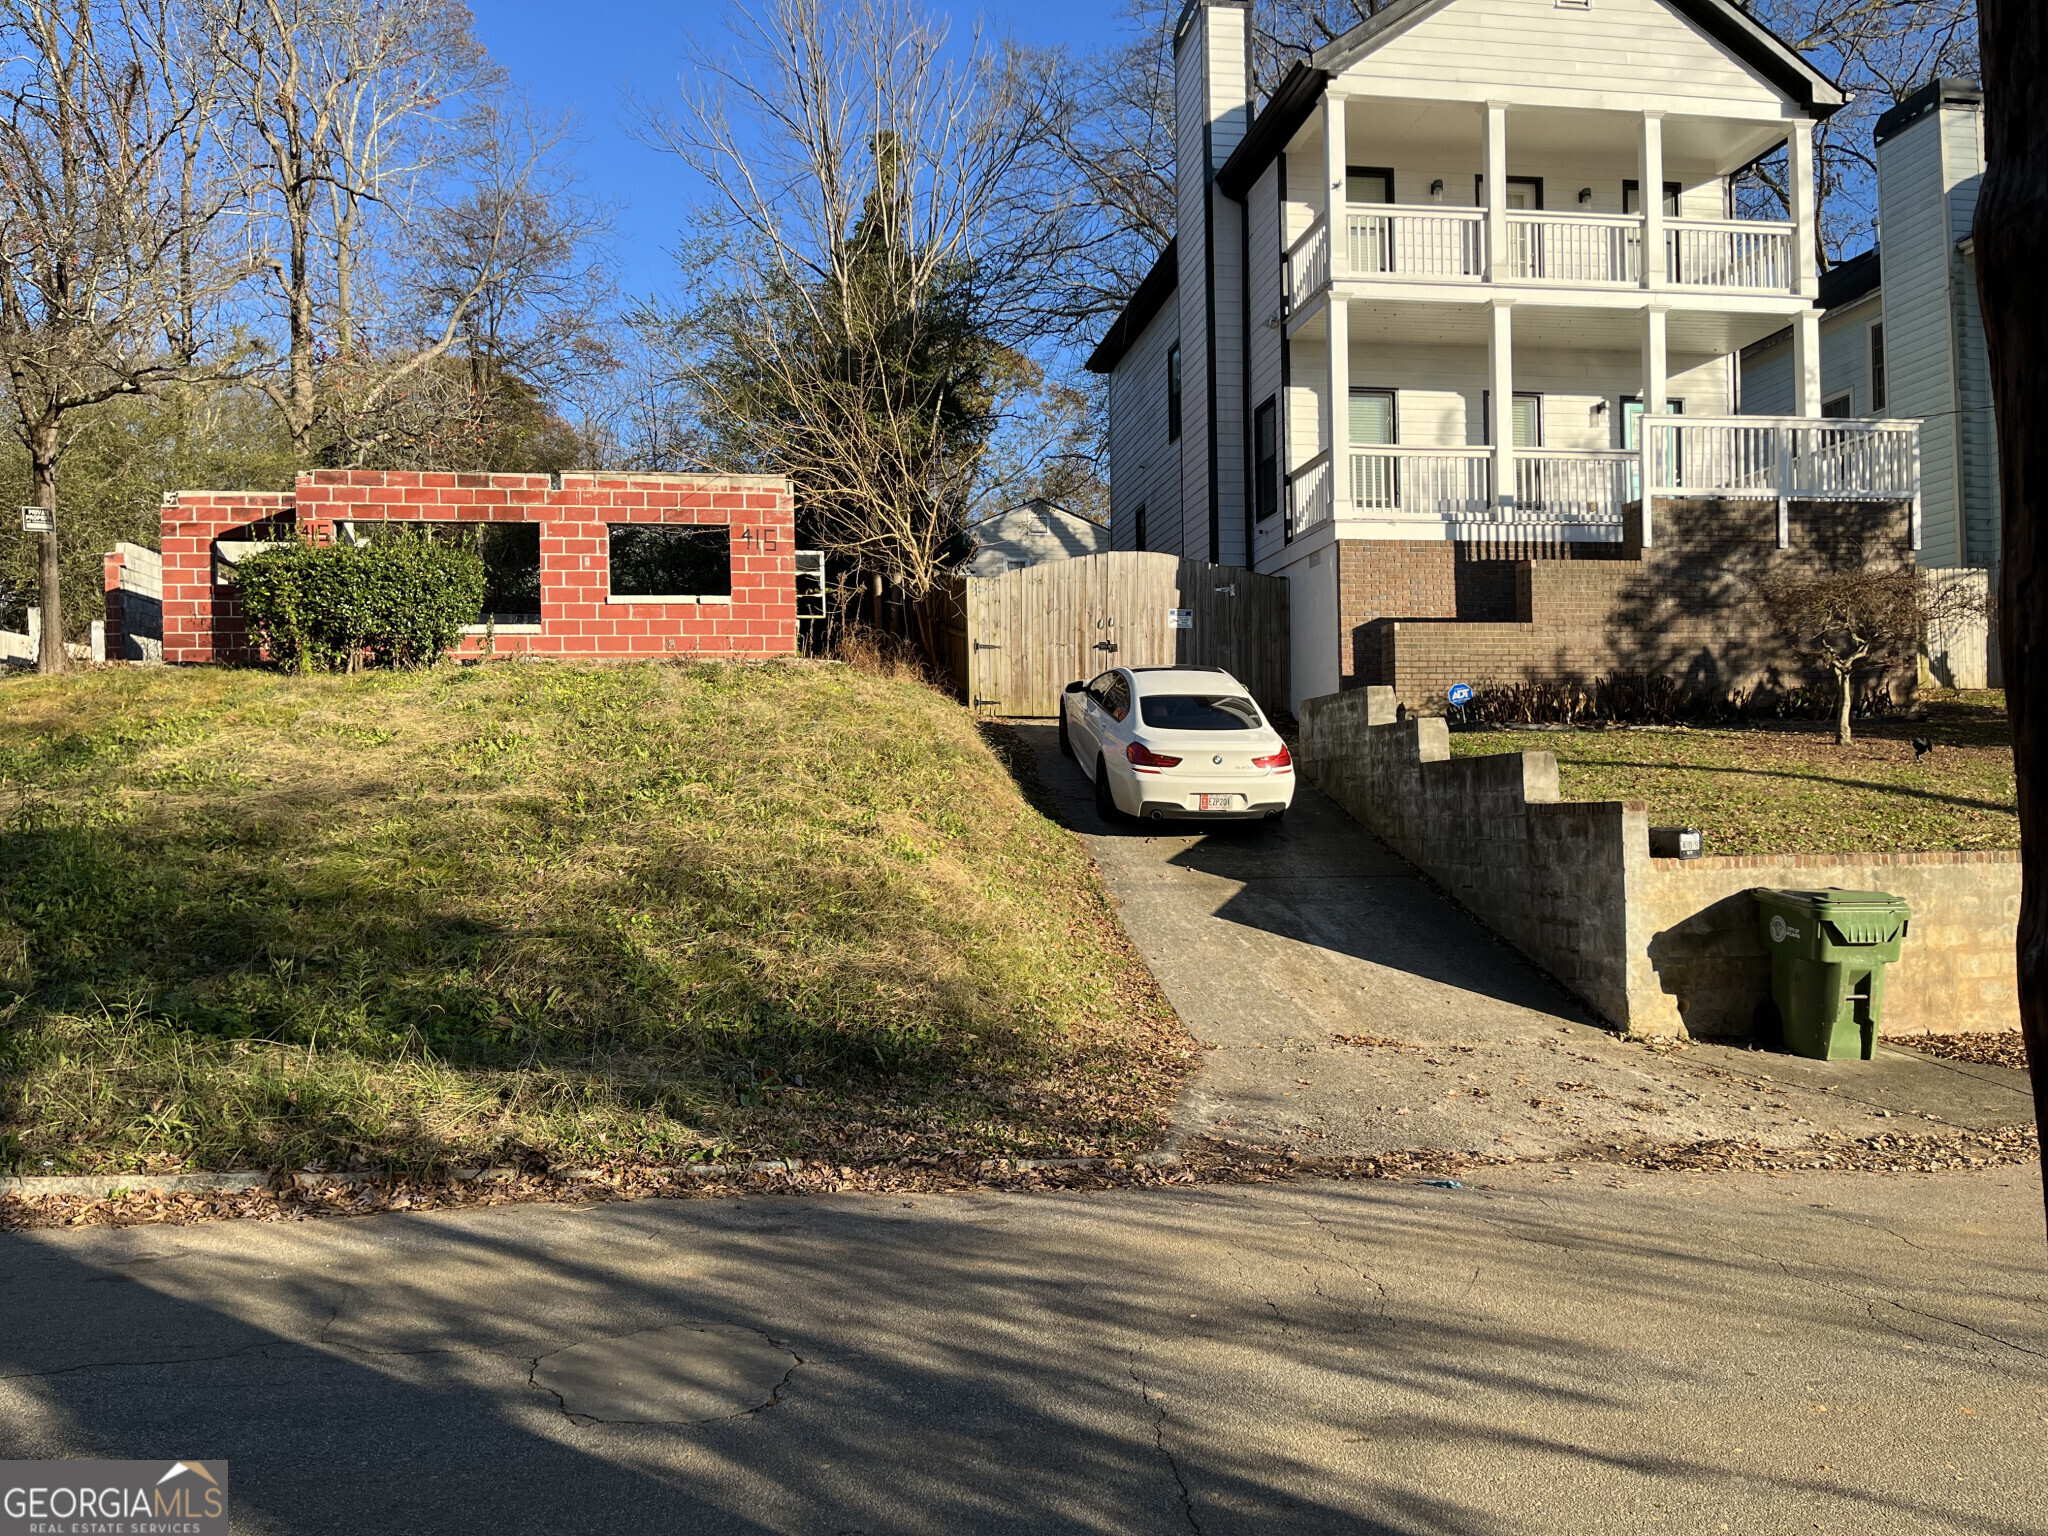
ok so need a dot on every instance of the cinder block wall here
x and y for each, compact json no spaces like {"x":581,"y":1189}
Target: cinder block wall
{"x":1657,"y":946}
{"x":579,"y":614}
{"x":1420,"y":618}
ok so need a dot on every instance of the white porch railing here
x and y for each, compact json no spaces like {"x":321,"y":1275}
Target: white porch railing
{"x":1580,"y":249}
{"x":1748,"y":254}
{"x":1421,"y":482}
{"x":1308,"y":495}
{"x":1566,"y":485}
{"x":1781,"y":458}
{"x":1444,"y":245}
{"x":1308,"y":264}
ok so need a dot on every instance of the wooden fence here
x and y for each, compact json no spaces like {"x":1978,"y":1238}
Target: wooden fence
{"x":1024,"y":635}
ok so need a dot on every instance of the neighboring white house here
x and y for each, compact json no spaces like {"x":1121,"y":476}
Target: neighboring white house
{"x":1439,"y":212}
{"x":1031,"y":535}
{"x":1902,"y":335}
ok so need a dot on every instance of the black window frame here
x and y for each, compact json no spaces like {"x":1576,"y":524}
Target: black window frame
{"x":1266,"y":458}
{"x":1674,"y":195}
{"x":1138,"y":528}
{"x":665,"y":532}
{"x":1173,"y":393}
{"x":1479,"y":189}
{"x":1880,"y":388}
{"x":1384,"y":172}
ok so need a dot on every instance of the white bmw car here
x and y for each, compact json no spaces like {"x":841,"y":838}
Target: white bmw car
{"x":1168,"y":743}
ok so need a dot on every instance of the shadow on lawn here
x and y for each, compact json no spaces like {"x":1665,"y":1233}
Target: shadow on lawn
{"x":1719,"y":769}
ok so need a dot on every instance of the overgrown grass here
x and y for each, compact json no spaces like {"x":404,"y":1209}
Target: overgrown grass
{"x":651,"y":911}
{"x":1794,"y":791}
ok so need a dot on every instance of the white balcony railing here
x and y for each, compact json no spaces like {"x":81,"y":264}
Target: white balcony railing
{"x":1420,"y":482}
{"x":1585,"y":250}
{"x":1781,"y":458}
{"x":1308,"y":495}
{"x":1746,"y":254}
{"x":1308,"y":264}
{"x":1442,"y":245}
{"x":1566,"y":485}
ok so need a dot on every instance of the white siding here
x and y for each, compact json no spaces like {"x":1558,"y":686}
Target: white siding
{"x":1262,"y":204}
{"x":1919,"y":359}
{"x":1031,"y":536}
{"x":1315,"y":665}
{"x":1844,"y":364}
{"x":1623,"y":55}
{"x":1144,"y":468}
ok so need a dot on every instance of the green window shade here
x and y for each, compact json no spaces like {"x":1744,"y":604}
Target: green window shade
{"x":1372,"y":416}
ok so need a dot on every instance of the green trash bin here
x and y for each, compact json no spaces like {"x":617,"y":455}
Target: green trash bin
{"x":1828,"y":952}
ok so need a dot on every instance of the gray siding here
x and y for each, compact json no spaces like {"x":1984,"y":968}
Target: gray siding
{"x":1267,"y":342}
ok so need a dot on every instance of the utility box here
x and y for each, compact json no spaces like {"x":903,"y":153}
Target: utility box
{"x":1829,"y":950}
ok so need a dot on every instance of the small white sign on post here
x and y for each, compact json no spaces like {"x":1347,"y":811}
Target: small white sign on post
{"x":1180,"y":618}
{"x":38,"y":520}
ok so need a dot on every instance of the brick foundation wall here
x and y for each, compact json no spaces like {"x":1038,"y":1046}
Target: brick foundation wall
{"x":579,"y":615}
{"x":1683,"y":609}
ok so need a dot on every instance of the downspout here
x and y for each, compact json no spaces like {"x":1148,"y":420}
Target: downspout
{"x":1209,"y":332}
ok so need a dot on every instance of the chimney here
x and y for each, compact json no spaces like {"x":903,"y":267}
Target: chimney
{"x":1212,"y":110}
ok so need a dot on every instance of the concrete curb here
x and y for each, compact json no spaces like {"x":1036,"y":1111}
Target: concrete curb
{"x":103,"y":1184}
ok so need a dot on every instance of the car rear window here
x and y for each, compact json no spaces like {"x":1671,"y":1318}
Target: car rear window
{"x":1199,"y":712}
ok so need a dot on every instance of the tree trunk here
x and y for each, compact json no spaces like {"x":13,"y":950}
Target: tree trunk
{"x":51,"y":655}
{"x":2011,"y":241}
{"x":1844,"y":696}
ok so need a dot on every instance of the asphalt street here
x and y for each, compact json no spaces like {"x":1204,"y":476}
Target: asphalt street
{"x":1541,"y":1350}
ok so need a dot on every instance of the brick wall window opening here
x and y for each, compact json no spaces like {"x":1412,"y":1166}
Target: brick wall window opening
{"x":654,"y":561}
{"x":510,"y":552}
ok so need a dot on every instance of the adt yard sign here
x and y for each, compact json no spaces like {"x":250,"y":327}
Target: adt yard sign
{"x":38,"y":520}
{"x":1460,"y":695}
{"x":1180,"y":618}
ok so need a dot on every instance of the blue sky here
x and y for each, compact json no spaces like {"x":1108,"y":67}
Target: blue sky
{"x":588,"y":55}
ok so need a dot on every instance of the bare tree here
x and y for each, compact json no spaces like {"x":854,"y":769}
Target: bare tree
{"x":1862,"y":622}
{"x":883,"y":218}
{"x":2011,"y":241}
{"x":110,"y":269}
{"x":347,"y":110}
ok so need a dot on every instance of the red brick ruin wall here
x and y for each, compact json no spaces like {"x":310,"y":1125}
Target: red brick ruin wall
{"x":579,"y":617}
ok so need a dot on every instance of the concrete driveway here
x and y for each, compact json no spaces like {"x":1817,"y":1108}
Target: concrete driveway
{"x":1351,"y":1009}
{"x":1539,"y":1351}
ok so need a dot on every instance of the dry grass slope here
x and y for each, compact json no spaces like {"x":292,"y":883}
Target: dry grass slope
{"x":546,"y":912}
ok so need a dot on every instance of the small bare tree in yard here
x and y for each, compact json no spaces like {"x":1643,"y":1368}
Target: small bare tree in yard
{"x":881,"y":218}
{"x":110,"y":270}
{"x":1863,"y":622}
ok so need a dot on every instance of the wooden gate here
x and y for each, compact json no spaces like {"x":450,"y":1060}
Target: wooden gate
{"x":1032,"y":631}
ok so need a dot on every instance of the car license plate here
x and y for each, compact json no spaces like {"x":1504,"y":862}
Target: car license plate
{"x":1219,"y":802}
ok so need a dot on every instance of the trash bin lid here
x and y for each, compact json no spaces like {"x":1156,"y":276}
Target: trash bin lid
{"x":1860,"y":917}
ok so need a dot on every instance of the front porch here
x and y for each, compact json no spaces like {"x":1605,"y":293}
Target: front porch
{"x":1391,"y":491}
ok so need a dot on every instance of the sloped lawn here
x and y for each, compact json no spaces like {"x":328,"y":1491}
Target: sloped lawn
{"x":651,"y":912}
{"x":1779,"y":790}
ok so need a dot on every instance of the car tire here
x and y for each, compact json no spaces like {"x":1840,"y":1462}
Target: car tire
{"x":1066,"y":741}
{"x":1105,"y":802}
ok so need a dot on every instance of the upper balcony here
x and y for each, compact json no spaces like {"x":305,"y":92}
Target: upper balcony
{"x":1418,"y":197}
{"x":1390,"y":243}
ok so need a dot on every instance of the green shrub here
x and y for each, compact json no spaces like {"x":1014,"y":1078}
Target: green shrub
{"x":403,"y":601}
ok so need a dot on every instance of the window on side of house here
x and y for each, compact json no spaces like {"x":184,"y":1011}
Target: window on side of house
{"x":1368,"y":184}
{"x":1837,"y":407}
{"x":1632,"y":197}
{"x":1138,"y":536}
{"x":1528,"y":418}
{"x":670,"y":560}
{"x":1266,"y":459}
{"x":1173,"y":394}
{"x":1880,"y":398}
{"x":510,"y":553}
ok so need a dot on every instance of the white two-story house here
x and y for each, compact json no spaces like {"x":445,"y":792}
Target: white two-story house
{"x":1421,"y":310}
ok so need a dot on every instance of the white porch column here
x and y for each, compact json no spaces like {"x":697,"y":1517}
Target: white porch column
{"x":1500,"y":415}
{"x":1656,"y":367}
{"x":1799,"y":187}
{"x":1339,"y":434}
{"x":1650,"y":198}
{"x":1806,"y":362}
{"x":1497,"y":192}
{"x":1335,"y":158}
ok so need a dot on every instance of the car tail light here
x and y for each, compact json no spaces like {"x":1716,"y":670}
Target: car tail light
{"x":1142,"y":756}
{"x":1280,"y":759}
